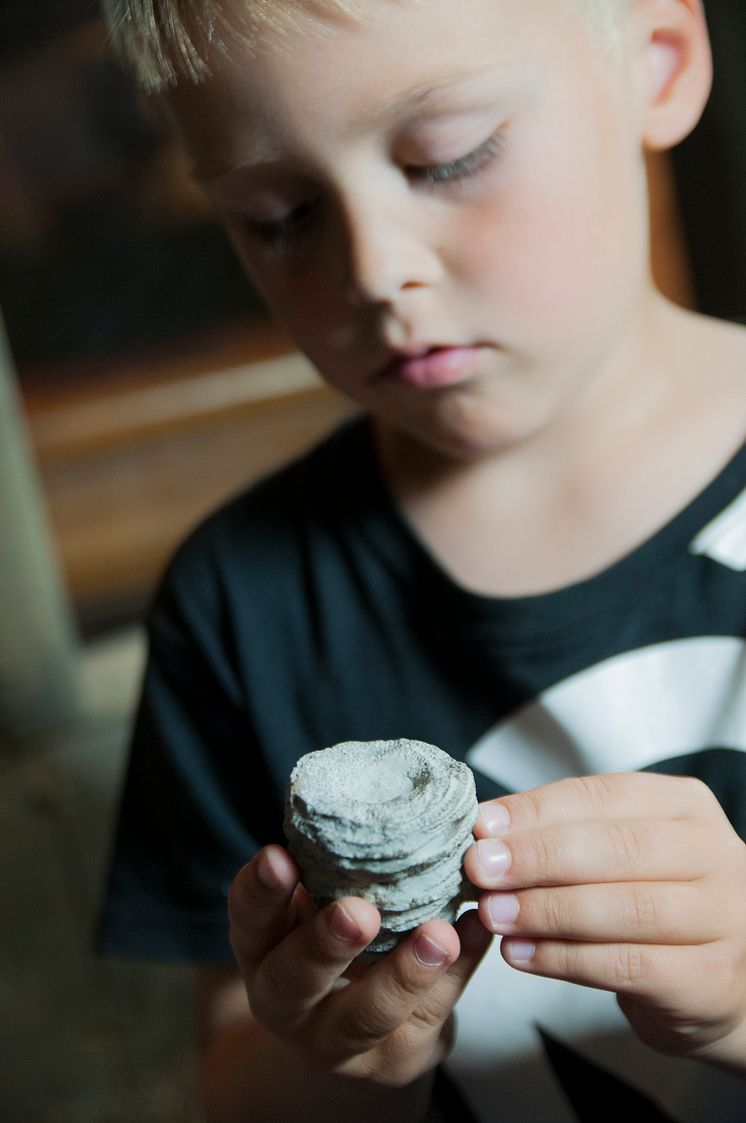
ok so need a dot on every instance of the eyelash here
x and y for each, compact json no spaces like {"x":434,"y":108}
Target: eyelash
{"x":466,"y":167}
{"x":281,"y":233}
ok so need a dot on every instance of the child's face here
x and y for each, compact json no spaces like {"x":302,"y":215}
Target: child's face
{"x":465,"y":176}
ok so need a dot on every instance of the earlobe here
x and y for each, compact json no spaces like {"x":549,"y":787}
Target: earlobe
{"x":679,"y":69}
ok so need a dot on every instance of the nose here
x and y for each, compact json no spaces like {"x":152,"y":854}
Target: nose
{"x":387,"y":253}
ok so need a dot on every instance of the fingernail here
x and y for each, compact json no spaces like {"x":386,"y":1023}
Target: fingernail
{"x":502,"y":908}
{"x":268,"y":872}
{"x":493,"y":857}
{"x":519,"y":951}
{"x":494,"y":817}
{"x":342,"y":924}
{"x":429,"y":953}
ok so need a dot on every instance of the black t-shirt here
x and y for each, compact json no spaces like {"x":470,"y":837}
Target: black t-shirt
{"x":305,"y":612}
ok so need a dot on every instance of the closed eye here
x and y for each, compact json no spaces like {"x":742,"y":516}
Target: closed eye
{"x":280,"y":232}
{"x":464,"y":167}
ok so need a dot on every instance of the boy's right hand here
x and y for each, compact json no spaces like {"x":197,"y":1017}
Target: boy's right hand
{"x":388,"y":1022}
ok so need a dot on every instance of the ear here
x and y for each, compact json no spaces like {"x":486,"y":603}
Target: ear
{"x":678,"y":68}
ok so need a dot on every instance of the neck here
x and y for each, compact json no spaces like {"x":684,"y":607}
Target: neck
{"x":573,"y":496}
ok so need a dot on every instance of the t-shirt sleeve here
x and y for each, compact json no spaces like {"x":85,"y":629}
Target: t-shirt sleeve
{"x":196,"y":802}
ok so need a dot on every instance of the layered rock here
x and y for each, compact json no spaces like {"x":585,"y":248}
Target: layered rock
{"x":386,"y":820}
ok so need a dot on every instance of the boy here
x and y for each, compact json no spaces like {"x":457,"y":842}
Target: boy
{"x":530,"y":553}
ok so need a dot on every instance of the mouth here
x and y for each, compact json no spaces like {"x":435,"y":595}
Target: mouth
{"x":428,"y":368}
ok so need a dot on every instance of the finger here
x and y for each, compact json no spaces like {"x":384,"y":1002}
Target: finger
{"x":377,"y":1004}
{"x":262,"y":904}
{"x":593,"y":852}
{"x":436,"y":1008}
{"x":614,"y":795}
{"x":643,"y":971}
{"x":474,"y":940}
{"x":637,"y":912}
{"x":298,"y":973}
{"x":303,"y":903}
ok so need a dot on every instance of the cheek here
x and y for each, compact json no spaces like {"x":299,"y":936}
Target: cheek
{"x":297,"y":298}
{"x":554,"y":250}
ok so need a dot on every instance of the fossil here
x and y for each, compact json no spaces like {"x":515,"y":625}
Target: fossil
{"x":386,"y":820}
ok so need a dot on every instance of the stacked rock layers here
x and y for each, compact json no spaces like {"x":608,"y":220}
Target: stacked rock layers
{"x":386,"y":820}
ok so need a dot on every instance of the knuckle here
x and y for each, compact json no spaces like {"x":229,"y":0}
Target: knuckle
{"x":407,"y":984}
{"x":630,"y":967}
{"x":274,"y":982}
{"x":627,"y":846}
{"x":641,"y":910}
{"x":438,"y":1031}
{"x":359,"y":1029}
{"x":595,"y":790}
{"x":567,"y":956}
{"x":556,"y":913}
{"x":535,"y":857}
{"x":699,"y":793}
{"x":534,"y":802}
{"x":319,"y":963}
{"x":427,"y":1016}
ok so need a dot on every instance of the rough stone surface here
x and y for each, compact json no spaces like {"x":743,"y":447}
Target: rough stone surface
{"x":386,"y":820}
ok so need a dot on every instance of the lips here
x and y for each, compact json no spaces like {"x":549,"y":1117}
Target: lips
{"x":432,"y":368}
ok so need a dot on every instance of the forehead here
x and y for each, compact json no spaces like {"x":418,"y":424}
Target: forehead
{"x":338,"y":73}
{"x":210,"y":19}
{"x":166,"y":42}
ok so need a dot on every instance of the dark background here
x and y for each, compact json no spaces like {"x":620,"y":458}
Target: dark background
{"x":104,"y":250}
{"x":710,"y":170}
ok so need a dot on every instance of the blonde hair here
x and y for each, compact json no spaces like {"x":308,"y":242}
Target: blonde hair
{"x":163,"y":42}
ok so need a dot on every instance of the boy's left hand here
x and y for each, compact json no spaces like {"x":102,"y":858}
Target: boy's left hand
{"x":630,"y":882}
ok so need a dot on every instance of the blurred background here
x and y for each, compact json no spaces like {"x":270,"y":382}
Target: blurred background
{"x":141,"y":382}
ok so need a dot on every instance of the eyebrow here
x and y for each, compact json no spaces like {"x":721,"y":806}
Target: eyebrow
{"x":418,"y":96}
{"x":409,"y":101}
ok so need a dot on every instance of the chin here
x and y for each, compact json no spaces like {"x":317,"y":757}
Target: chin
{"x":471,"y":429}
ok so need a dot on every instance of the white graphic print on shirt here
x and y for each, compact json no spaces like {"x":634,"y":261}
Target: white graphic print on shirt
{"x":668,"y":700}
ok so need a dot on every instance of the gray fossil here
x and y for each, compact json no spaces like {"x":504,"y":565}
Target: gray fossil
{"x":386,"y":820}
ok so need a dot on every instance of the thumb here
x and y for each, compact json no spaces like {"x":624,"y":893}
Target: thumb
{"x":475,"y":940}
